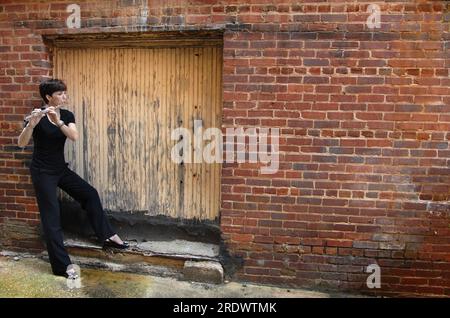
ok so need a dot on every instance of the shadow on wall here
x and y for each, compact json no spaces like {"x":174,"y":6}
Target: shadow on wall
{"x":138,"y":226}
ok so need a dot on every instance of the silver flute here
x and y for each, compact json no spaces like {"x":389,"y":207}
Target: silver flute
{"x":42,"y":112}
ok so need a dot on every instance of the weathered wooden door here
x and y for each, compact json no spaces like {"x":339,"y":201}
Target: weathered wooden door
{"x":127,"y":102}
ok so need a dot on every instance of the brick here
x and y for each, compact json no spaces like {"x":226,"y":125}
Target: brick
{"x":408,"y":108}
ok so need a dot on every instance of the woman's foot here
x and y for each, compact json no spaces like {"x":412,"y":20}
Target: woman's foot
{"x":71,"y":274}
{"x":116,"y":242}
{"x":116,"y":239}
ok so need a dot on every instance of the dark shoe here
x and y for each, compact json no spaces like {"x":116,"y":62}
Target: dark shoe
{"x":70,"y":274}
{"x":109,"y":243}
{"x":63,"y":274}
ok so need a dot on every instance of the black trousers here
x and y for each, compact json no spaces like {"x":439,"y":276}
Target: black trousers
{"x":45,"y":183}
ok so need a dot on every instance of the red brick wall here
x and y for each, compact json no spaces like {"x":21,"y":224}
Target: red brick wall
{"x":364,"y":118}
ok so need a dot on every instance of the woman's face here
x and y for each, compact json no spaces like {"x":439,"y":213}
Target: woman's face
{"x":57,"y":98}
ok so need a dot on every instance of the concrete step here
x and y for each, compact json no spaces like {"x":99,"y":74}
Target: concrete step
{"x":181,"y":259}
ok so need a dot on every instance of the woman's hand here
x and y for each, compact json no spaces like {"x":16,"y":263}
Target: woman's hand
{"x":36,"y":117}
{"x":53,"y":115}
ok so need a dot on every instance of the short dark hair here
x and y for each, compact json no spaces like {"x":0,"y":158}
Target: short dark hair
{"x":50,"y":86}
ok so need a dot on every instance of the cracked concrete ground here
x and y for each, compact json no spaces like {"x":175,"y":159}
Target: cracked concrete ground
{"x":29,"y":276}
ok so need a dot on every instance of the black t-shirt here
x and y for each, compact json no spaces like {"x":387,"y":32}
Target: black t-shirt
{"x":49,"y":142}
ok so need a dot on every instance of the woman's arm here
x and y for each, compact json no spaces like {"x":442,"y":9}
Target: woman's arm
{"x":27,"y":132}
{"x":69,"y":130}
{"x":25,"y":136}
